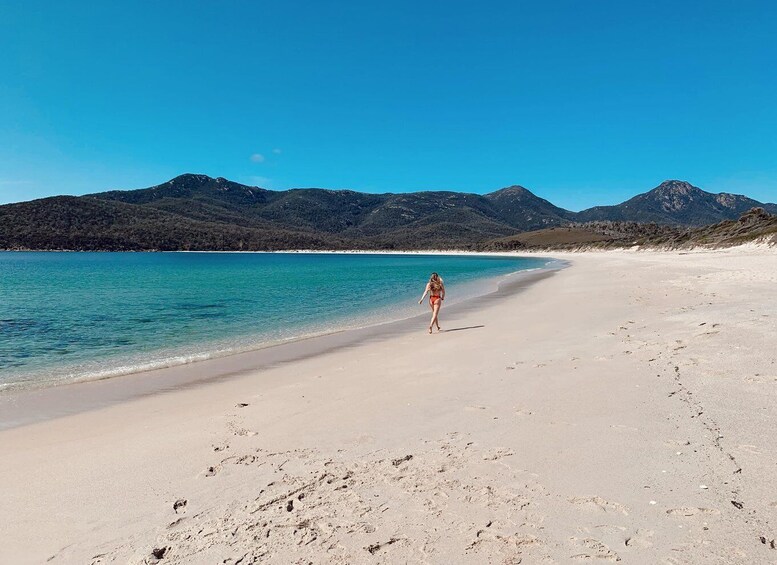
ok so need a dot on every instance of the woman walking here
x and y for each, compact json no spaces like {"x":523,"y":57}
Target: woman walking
{"x":436,"y":289}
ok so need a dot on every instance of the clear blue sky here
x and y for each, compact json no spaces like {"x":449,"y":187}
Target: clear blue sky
{"x":584,"y":103}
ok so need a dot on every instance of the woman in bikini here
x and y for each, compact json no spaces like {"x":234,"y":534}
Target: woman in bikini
{"x":436,"y":290}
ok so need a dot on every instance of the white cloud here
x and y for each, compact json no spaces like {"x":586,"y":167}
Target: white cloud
{"x":257,"y":158}
{"x":277,"y":151}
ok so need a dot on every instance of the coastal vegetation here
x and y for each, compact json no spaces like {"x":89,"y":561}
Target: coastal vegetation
{"x":754,"y":225}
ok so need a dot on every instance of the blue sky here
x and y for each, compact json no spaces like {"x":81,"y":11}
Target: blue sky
{"x":583,"y":103}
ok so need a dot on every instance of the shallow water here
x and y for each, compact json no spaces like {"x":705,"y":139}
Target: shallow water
{"x":73,"y":316}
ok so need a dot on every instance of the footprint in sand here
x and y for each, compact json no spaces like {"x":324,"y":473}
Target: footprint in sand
{"x":750,"y":449}
{"x":177,"y":522}
{"x":376,"y":547}
{"x":497,"y":454}
{"x":514,"y":544}
{"x":242,"y":459}
{"x":593,"y":550}
{"x":212,"y":471}
{"x":642,"y":538}
{"x":397,"y":462}
{"x":238,"y":431}
{"x":689,"y":512}
{"x":599,"y":503}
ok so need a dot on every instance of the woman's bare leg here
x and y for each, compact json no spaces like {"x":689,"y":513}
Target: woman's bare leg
{"x":435,"y":314}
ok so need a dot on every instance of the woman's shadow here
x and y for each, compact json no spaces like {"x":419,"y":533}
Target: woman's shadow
{"x":462,"y":329}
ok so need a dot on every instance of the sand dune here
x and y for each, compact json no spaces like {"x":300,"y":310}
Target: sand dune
{"x":621,"y":410}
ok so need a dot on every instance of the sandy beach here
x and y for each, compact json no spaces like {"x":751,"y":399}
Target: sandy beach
{"x":621,"y":409}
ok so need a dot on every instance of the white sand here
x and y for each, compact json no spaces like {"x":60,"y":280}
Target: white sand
{"x":611,"y":412}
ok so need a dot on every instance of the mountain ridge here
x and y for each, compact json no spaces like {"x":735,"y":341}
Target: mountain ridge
{"x":676,"y":202}
{"x":199,"y":212}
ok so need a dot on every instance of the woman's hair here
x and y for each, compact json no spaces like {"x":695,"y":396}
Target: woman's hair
{"x":435,"y":282}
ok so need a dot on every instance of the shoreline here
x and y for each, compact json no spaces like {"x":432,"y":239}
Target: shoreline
{"x":204,"y":350}
{"x":23,"y":406}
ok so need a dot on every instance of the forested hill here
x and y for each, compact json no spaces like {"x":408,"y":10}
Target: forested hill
{"x":197,"y":212}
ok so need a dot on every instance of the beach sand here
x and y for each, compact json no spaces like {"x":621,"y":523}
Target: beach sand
{"x":622,"y":409}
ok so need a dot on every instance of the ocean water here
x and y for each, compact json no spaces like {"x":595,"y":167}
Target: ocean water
{"x":76,"y":316}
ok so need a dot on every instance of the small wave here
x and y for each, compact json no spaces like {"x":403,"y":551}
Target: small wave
{"x":141,"y":367}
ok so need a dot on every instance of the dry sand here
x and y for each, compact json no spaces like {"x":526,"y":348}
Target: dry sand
{"x":621,"y":410}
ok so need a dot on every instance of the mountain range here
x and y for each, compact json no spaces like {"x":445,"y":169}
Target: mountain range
{"x":198,"y":212}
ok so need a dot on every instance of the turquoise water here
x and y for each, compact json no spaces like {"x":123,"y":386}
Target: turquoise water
{"x":73,"y":316}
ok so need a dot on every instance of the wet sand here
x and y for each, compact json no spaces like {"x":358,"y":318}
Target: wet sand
{"x":621,"y":409}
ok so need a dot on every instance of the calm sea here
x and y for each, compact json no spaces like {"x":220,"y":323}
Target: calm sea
{"x":73,"y":316}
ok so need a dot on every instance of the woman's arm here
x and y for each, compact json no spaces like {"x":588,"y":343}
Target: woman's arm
{"x":442,"y":292}
{"x":424,"y":294}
